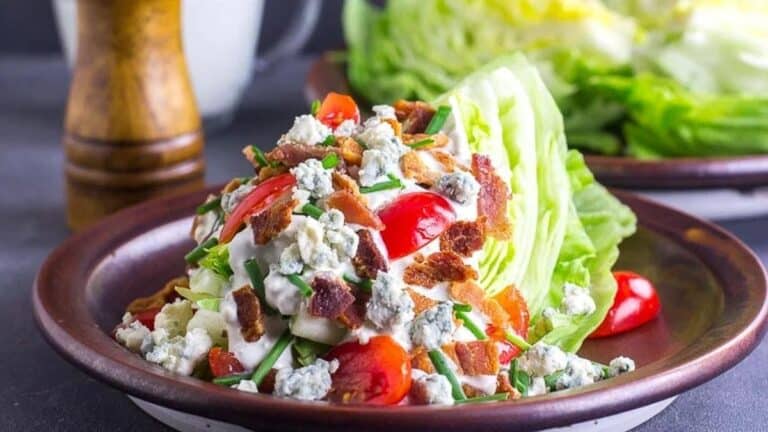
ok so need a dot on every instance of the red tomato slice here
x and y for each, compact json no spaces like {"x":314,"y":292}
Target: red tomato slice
{"x":223,"y":363}
{"x":336,"y":108}
{"x":514,"y":304}
{"x":264,"y":194}
{"x":413,"y":220}
{"x":147,"y":317}
{"x":635,"y":304}
{"x":377,"y":373}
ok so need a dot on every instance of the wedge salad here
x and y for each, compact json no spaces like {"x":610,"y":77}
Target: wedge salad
{"x":434,"y":253}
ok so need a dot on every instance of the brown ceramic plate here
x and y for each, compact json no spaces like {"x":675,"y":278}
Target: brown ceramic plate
{"x":327,"y":74}
{"x":713,"y":291}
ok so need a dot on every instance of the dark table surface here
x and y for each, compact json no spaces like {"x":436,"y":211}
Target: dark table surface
{"x":40,"y":391}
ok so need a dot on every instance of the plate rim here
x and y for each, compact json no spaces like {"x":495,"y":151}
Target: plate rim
{"x":139,"y":378}
{"x":325,"y":73}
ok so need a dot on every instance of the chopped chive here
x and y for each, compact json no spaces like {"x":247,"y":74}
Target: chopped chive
{"x":392,"y":177}
{"x":200,"y":251}
{"x":330,"y":161}
{"x":257,"y":281}
{"x":460,"y":307}
{"x":441,"y":366}
{"x":492,"y":398}
{"x":230,"y":380}
{"x":306,"y":351}
{"x":303,"y":287}
{"x":385,"y":185}
{"x":518,"y":378}
{"x":328,"y":141}
{"x":312,"y":210}
{"x":315,"y":107}
{"x":438,"y":120}
{"x":208,"y":206}
{"x":364,"y":284}
{"x":517,"y":340}
{"x":421,"y":143}
{"x":259,"y":156}
{"x":271,"y":358}
{"x":551,"y":380}
{"x":471,"y":326}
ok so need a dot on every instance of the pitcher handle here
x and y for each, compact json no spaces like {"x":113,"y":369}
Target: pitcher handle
{"x":295,"y":35}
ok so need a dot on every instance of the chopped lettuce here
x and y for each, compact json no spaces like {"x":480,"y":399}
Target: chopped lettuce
{"x":566,"y":226}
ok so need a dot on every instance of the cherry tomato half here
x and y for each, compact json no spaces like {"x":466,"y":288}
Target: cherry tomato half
{"x":635,"y":304}
{"x":377,"y":373}
{"x":147,"y":317}
{"x":336,"y":108}
{"x":413,"y":220}
{"x":514,"y":304}
{"x":264,"y":194}
{"x":223,"y":363}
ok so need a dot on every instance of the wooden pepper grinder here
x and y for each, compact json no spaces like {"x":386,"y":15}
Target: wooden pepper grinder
{"x":132,"y":126}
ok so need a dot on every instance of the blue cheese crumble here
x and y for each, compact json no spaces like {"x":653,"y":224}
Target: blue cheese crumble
{"x":132,"y":333}
{"x":542,"y":359}
{"x":178,"y":354}
{"x":620,"y":365}
{"x":459,"y":186}
{"x":280,"y":293}
{"x":230,"y":200}
{"x":576,"y":300}
{"x":384,"y":111}
{"x":579,"y":372}
{"x":383,"y":153}
{"x":306,"y":129}
{"x":309,"y":383}
{"x":347,"y":128}
{"x":434,"y":327}
{"x":312,"y":177}
{"x":436,"y":389}
{"x":390,"y":305}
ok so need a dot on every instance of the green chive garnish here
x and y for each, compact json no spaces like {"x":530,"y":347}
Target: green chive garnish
{"x":492,"y":398}
{"x":460,"y":307}
{"x":519,"y":379}
{"x":441,"y":366}
{"x":208,"y":206}
{"x":551,"y":380}
{"x":385,"y":185}
{"x":315,"y":107}
{"x":328,"y":141}
{"x":257,"y":281}
{"x":303,"y":287}
{"x":230,"y":380}
{"x":471,"y":326}
{"x":517,"y":340}
{"x":364,"y":284}
{"x":421,"y":143}
{"x":312,"y":210}
{"x":259,"y":156}
{"x":271,"y":358}
{"x":438,"y":120}
{"x":330,"y":161}
{"x":200,"y":251}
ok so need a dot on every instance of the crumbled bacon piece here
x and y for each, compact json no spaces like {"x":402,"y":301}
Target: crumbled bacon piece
{"x":330,"y":298}
{"x":478,"y":357}
{"x":270,"y":222}
{"x":396,"y":126}
{"x":438,"y":267}
{"x":249,"y":313}
{"x":346,"y":183}
{"x":449,"y":163}
{"x":438,"y":140}
{"x":292,"y":154}
{"x":354,"y":316}
{"x":267,"y":385}
{"x":270,"y":171}
{"x":354,"y":209}
{"x":166,"y":295}
{"x":351,"y":151}
{"x":472,"y":294}
{"x":232,"y":185}
{"x":415,"y":116}
{"x":368,"y":259}
{"x":492,"y":199}
{"x":463,"y":238}
{"x":415,"y":168}
{"x":472,"y":392}
{"x":503,"y":385}
{"x":420,"y":302}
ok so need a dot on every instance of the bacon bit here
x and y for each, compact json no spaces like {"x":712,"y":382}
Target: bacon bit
{"x":417,"y":395}
{"x":292,"y":154}
{"x":415,"y":116}
{"x":439,"y":267}
{"x":420,"y":302}
{"x":331,"y":296}
{"x":420,"y":360}
{"x":368,"y":260}
{"x":346,"y":183}
{"x":157,"y":300}
{"x":415,"y":168}
{"x":267,"y":385}
{"x":351,"y":151}
{"x":249,"y":313}
{"x":471,"y":392}
{"x":463,"y":238}
{"x":354,"y":209}
{"x":471,"y":293}
{"x":438,"y":140}
{"x":492,"y":199}
{"x":478,"y":357}
{"x":232,"y":185}
{"x":270,"y":171}
{"x":354,"y":316}
{"x":449,"y":163}
{"x":270,"y":222}
{"x":396,"y":126}
{"x":503,"y":385}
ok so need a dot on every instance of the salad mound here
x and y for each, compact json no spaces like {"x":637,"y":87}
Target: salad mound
{"x":435,"y":253}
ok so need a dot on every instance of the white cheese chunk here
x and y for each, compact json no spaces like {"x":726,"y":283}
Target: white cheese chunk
{"x":306,"y":129}
{"x":576,"y":300}
{"x":437,"y":389}
{"x":309,"y":383}
{"x":312,"y":177}
{"x":132,"y":335}
{"x":542,"y":359}
{"x":434,"y":327}
{"x":389,"y":305}
{"x":459,"y":186}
